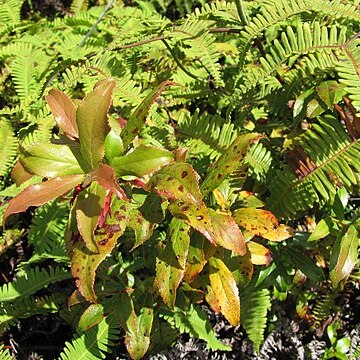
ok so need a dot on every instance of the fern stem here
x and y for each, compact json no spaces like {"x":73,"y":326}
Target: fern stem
{"x":241,"y":12}
{"x":107,"y":8}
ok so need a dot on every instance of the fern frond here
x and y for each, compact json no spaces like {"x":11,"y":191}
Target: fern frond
{"x":8,"y":147}
{"x":29,"y":282}
{"x":255,"y":304}
{"x":10,"y":11}
{"x":23,"y":73}
{"x":259,"y":159}
{"x":16,"y":49}
{"x":324,"y":308}
{"x":5,"y":353}
{"x":349,"y":71}
{"x":11,"y":313}
{"x":206,"y":134}
{"x":79,"y":5}
{"x":94,"y":343}
{"x":47,"y":230}
{"x":331,"y":160}
{"x":194,"y":322}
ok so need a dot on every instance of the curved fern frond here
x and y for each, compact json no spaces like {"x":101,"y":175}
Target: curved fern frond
{"x":259,"y":159}
{"x":93,"y":344}
{"x":255,"y":304}
{"x":10,"y":12}
{"x":326,"y":158}
{"x":79,"y":5}
{"x":29,"y":282}
{"x":8,"y":147}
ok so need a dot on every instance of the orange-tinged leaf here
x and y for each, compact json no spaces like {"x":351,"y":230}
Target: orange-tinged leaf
{"x":19,"y":174}
{"x":138,"y":117}
{"x":260,"y":255}
{"x":344,"y":255}
{"x":228,"y":162}
{"x":83,"y":262}
{"x":40,"y":194}
{"x":170,"y":264}
{"x":91,"y":119}
{"x":89,"y":204}
{"x":212,"y":300}
{"x":242,"y":269}
{"x":64,"y":111}
{"x":225,"y":290}
{"x":105,"y":176}
{"x":227,"y":232}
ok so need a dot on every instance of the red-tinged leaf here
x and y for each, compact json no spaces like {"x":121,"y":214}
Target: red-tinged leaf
{"x":105,"y":176}
{"x":40,"y":194}
{"x":137,"y":328}
{"x":143,"y":229}
{"x":138,"y":117}
{"x":75,"y":298}
{"x":91,"y":119}
{"x":196,"y":259}
{"x":225,"y":289}
{"x":344,"y":255}
{"x":227,"y":232}
{"x":142,"y":161}
{"x":170,"y":264}
{"x":91,"y":317}
{"x":51,"y":160}
{"x":256,"y":221}
{"x":178,"y":183}
{"x":64,"y":111}
{"x":228,"y":162}
{"x":260,"y":255}
{"x":89,"y":204}
{"x":19,"y":174}
{"x":83,"y":262}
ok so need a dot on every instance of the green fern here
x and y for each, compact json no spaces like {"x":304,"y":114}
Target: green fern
{"x":47,"y":231}
{"x":79,"y":5}
{"x":10,"y":12}
{"x":5,"y":353}
{"x":30,"y":281}
{"x":194,"y":322}
{"x":255,"y":304}
{"x":8,"y":147}
{"x":335,"y":163}
{"x":94,"y":343}
{"x":260,"y":160}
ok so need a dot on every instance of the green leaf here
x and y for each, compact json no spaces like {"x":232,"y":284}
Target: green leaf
{"x":178,"y":183}
{"x":64,"y":111}
{"x":89,"y":204}
{"x":138,"y":117}
{"x":153,"y":209}
{"x":225,"y":289}
{"x":50,"y":160}
{"x":227,"y":233}
{"x":170,"y":264}
{"x":228,"y":162}
{"x":91,"y":317}
{"x":323,"y":228}
{"x":91,"y":119}
{"x":137,"y":328}
{"x":330,"y":92}
{"x":113,"y":146}
{"x":83,"y":262}
{"x":344,"y":255}
{"x":39,"y":194}
{"x":142,"y":161}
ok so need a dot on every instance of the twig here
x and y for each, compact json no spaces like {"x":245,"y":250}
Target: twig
{"x":107,"y":8}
